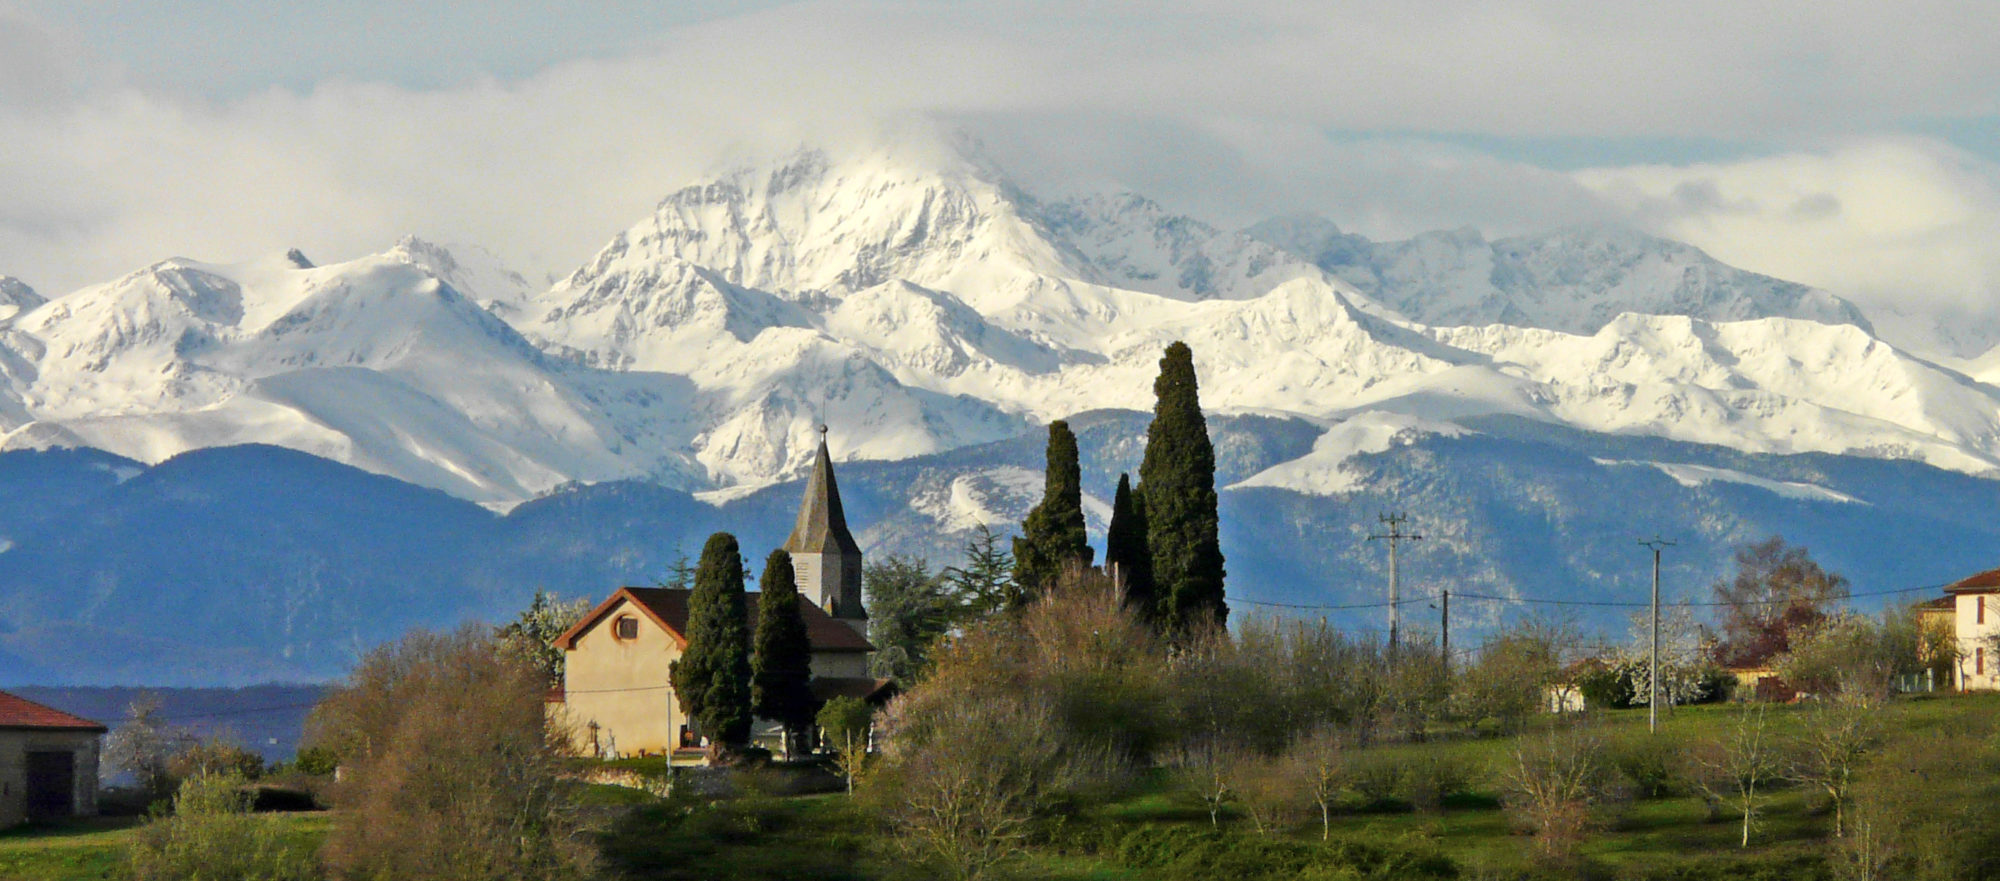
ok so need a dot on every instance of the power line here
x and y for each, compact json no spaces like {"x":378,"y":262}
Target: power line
{"x":1564,"y":602}
{"x":1395,"y":536}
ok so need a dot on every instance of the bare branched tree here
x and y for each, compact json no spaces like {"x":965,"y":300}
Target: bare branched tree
{"x":1835,"y":736}
{"x":1319,"y":760}
{"x":1202,"y":765}
{"x":1556,"y":784}
{"x":1740,"y":767}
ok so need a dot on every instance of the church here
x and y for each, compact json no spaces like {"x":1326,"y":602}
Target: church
{"x":616,"y":693}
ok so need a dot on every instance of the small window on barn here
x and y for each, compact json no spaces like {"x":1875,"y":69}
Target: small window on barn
{"x":1979,"y":662}
{"x":626,"y":627}
{"x":1979,"y":616}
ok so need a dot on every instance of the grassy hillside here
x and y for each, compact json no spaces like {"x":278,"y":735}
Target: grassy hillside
{"x":1157,"y":829}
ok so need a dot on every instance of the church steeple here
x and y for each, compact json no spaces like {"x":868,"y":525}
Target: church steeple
{"x":824,"y":554}
{"x":822,"y":525}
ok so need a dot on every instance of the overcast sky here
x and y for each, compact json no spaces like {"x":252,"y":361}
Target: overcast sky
{"x":1854,"y":146}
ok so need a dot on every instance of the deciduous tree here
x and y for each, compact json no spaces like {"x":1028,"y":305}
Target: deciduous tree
{"x":1778,"y":592}
{"x":452,"y":770}
{"x":533,"y":632}
{"x":845,"y":721}
{"x":1740,"y":767}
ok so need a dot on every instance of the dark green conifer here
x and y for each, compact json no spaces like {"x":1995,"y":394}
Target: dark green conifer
{"x":1177,"y":488}
{"x":712,"y":677}
{"x":1125,"y":548}
{"x":1053,"y":535}
{"x":985,"y":584}
{"x":781,"y":663}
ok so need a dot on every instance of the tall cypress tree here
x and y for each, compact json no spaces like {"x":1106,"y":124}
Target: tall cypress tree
{"x":712,"y":677}
{"x":781,"y":663}
{"x":1053,"y":535}
{"x":1125,"y":547}
{"x":1177,"y":486}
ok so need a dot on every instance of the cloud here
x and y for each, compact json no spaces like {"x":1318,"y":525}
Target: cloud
{"x":1905,"y":226}
{"x":1231,"y":110}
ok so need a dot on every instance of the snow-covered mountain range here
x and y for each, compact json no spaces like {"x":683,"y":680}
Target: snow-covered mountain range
{"x":919,"y":301}
{"x":1534,"y":401}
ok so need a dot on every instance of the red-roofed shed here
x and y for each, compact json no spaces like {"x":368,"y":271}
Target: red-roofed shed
{"x":48,"y":762}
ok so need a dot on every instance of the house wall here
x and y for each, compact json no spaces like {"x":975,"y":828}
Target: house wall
{"x":14,"y":749}
{"x":1976,"y":642}
{"x":622,"y":686}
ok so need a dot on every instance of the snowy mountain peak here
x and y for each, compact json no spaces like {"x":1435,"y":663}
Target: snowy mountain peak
{"x":16,"y":297}
{"x":473,"y":270}
{"x":1574,"y":279}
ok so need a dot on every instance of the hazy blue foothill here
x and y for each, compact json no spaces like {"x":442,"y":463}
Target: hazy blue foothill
{"x":241,"y":565}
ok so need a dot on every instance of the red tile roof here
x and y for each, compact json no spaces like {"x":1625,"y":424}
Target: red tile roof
{"x":1985,"y":582}
{"x":668,"y":607}
{"x":19,"y":713}
{"x":1944,"y":602}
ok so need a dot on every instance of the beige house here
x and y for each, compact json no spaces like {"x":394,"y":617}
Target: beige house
{"x":48,"y":762}
{"x":1976,"y":604}
{"x":616,"y":694}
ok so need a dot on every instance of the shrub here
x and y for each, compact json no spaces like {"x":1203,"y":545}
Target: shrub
{"x":212,"y":834}
{"x":218,"y":755}
{"x":1606,"y":686}
{"x":452,"y":771}
{"x":1271,"y":791}
{"x":1650,"y":761}
{"x":965,"y":776}
{"x":317,"y":761}
{"x":1556,"y":787}
{"x":1376,"y":778}
{"x":1433,"y":776}
{"x":1179,"y":853}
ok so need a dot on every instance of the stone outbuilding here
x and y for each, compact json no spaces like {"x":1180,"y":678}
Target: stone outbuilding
{"x":48,"y":762}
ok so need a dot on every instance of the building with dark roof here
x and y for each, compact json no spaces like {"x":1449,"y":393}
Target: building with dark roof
{"x":48,"y":762}
{"x":617,"y":694}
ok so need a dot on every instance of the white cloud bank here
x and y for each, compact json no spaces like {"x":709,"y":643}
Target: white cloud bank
{"x":1908,"y":228}
{"x":1221,"y":108}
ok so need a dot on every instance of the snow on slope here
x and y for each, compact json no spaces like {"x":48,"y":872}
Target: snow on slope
{"x":374,"y":362}
{"x":1696,"y":475}
{"x":1576,"y":279}
{"x":16,"y":297}
{"x":917,"y":302}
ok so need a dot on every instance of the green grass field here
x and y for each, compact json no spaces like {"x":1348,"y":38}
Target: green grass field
{"x":93,"y":849}
{"x":823,"y":837}
{"x":828,"y":838}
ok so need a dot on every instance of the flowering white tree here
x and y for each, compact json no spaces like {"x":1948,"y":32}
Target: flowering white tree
{"x":1681,"y":661}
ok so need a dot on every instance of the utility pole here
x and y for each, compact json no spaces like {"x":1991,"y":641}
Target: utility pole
{"x":1653,"y":700}
{"x":1395,"y":536}
{"x":1444,"y":627}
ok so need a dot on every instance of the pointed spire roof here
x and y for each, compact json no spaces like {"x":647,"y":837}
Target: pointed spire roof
{"x":822,"y":526}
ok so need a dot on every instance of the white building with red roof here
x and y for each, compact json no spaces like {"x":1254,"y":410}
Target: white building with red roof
{"x":1976,"y":619}
{"x":616,"y":693}
{"x":48,"y":762}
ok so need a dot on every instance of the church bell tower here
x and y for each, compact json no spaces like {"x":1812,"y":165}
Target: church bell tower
{"x":824,"y":555}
